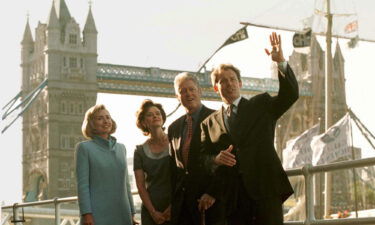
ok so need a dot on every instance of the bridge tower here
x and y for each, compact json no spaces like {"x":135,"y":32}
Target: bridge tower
{"x":309,"y":67}
{"x":52,"y":124}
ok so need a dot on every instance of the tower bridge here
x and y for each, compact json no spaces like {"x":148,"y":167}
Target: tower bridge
{"x":67,"y":58}
{"x":120,"y":79}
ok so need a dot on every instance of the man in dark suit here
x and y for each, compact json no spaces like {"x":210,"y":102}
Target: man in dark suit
{"x":238,"y":144}
{"x":190,"y":196}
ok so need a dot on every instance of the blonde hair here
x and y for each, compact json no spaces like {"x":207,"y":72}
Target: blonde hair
{"x":216,"y":71}
{"x":88,"y":129}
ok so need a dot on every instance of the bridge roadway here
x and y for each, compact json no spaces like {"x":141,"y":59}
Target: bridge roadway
{"x":120,"y":79}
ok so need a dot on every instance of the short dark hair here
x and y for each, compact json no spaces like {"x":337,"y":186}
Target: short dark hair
{"x":216,"y":71}
{"x":141,"y":112}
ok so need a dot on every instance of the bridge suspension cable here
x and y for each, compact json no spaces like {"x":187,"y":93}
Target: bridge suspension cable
{"x":26,"y":102}
{"x":364,"y":130}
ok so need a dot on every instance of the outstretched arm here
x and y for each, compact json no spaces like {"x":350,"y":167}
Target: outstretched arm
{"x":288,"y":91}
{"x":277,"y":52}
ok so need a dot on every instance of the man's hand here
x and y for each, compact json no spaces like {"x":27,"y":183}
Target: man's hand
{"x":88,"y":219}
{"x":225,"y":157}
{"x":205,"y":202}
{"x":277,"y":52}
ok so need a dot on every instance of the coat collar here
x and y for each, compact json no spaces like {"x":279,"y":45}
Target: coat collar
{"x":107,"y":144}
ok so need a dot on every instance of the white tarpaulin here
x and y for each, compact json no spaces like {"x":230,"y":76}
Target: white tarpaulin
{"x":333,"y":144}
{"x":298,"y":151}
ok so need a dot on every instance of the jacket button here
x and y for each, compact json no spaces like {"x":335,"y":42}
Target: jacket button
{"x":187,"y":173}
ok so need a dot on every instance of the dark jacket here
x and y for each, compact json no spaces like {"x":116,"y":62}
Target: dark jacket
{"x":258,"y":166}
{"x":188,"y":184}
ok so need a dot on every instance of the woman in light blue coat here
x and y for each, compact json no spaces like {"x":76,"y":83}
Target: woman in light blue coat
{"x":104,"y":193}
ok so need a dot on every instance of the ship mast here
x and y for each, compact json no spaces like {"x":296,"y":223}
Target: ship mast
{"x":328,"y":105}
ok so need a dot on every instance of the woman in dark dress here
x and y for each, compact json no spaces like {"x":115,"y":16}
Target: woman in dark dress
{"x":151,"y":165}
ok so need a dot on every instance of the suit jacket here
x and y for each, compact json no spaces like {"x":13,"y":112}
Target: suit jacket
{"x":188,"y":184}
{"x":253,"y":138}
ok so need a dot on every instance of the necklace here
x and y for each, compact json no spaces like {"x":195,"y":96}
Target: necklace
{"x":158,"y":145}
{"x":158,"y":141}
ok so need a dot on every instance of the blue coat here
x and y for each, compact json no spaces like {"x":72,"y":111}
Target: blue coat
{"x":103,"y":182}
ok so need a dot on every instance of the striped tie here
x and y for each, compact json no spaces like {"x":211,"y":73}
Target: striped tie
{"x":231,"y":116}
{"x":187,"y":140}
{"x":230,"y":110}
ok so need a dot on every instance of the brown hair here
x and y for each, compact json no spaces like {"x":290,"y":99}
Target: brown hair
{"x":141,"y":112}
{"x":216,"y":71}
{"x":88,"y":129}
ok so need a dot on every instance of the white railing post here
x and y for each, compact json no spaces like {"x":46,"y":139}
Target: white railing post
{"x":4,"y":219}
{"x":15,"y":213}
{"x":310,"y":214}
{"x":57,"y":211}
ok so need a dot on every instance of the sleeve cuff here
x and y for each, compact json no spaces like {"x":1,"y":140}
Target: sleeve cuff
{"x":282,"y":67}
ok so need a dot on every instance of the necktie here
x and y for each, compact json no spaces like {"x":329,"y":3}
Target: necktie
{"x":187,"y":140}
{"x":230,"y":110}
{"x":231,"y":116}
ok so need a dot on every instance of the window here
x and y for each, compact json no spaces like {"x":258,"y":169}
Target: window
{"x":64,"y":61}
{"x":72,"y":142}
{"x":71,"y":108}
{"x":63,"y":107}
{"x":69,"y":141}
{"x":73,"y":62}
{"x":80,"y":108}
{"x":64,"y":176}
{"x":81,"y":63}
{"x":72,"y":39}
{"x":64,"y":142}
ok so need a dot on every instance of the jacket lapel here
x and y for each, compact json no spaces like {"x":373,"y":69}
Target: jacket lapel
{"x":220,"y":121}
{"x":246,"y":117}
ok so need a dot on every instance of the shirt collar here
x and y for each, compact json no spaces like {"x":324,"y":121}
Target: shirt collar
{"x":235,"y":103}
{"x":195,"y":114}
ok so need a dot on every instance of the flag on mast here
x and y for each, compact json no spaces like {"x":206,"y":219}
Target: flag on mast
{"x":240,"y":35}
{"x":333,"y":144}
{"x":298,"y":151}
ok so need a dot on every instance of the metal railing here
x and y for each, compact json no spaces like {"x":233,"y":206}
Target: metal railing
{"x":307,"y":171}
{"x":56,"y":213}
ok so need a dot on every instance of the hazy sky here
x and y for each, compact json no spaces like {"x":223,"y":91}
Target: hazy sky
{"x":167,"y":34}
